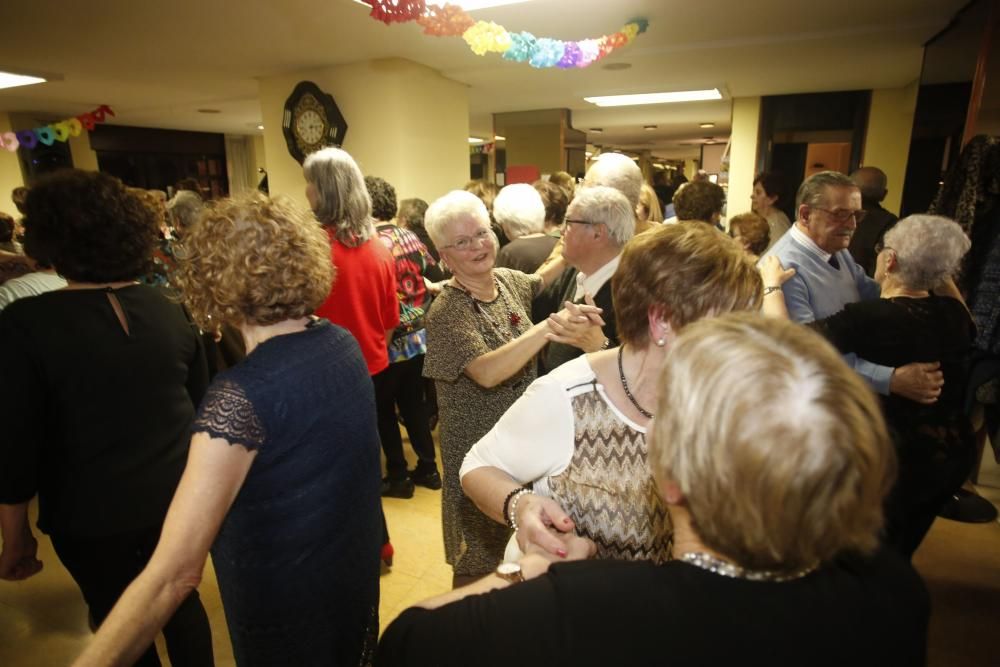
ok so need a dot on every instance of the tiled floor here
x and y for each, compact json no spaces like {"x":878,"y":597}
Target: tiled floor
{"x":43,"y":620}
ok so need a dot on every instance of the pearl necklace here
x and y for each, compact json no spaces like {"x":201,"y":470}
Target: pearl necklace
{"x":718,"y":566}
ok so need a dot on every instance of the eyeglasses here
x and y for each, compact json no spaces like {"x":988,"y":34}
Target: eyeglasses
{"x":469,"y":242}
{"x":880,"y":246}
{"x":582,"y":222}
{"x":844,"y":214}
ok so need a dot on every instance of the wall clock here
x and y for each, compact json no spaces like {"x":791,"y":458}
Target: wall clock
{"x":311,"y":121}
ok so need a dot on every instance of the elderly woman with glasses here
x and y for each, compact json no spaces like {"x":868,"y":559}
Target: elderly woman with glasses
{"x":776,"y":514}
{"x":920,"y":317}
{"x":570,"y":454}
{"x":481,"y":348}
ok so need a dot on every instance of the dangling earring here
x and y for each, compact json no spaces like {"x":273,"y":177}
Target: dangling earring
{"x":661,"y":342}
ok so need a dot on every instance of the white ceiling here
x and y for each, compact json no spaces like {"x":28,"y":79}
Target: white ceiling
{"x":157,"y":63}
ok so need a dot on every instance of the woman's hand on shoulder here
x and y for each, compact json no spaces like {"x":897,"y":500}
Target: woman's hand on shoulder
{"x":773,"y":273}
{"x":536,"y":562}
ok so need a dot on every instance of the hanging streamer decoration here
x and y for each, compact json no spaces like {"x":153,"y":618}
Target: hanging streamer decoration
{"x":484,"y":37}
{"x":53,"y":132}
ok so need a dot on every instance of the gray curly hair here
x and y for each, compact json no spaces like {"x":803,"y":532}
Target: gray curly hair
{"x":929,"y":248}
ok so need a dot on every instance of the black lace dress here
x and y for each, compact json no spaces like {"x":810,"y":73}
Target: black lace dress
{"x":934,"y":443}
{"x":297,"y":557}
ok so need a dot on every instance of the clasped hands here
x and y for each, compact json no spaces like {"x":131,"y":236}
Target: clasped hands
{"x":547,"y":534}
{"x":579,"y":325}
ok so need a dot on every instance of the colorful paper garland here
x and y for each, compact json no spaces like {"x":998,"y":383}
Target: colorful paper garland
{"x":484,"y":37}
{"x":53,"y":132}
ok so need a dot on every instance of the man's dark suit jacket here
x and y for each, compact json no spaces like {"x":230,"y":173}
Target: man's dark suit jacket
{"x":869,"y":232}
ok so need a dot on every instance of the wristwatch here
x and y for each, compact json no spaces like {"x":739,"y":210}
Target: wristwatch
{"x":510,"y":572}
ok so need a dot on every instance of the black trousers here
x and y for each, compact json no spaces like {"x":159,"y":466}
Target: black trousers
{"x":103,"y":567}
{"x":402,"y":384}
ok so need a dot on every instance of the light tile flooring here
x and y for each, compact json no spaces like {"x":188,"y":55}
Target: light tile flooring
{"x":43,"y":619}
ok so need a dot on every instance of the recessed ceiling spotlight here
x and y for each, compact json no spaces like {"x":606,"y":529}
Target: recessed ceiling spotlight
{"x":596,"y":130}
{"x":260,"y":127}
{"x":11,"y":80}
{"x":649,"y":127}
{"x":706,"y":125}
{"x":655,"y":98}
{"x":209,"y":111}
{"x":497,"y":137}
{"x":616,"y":67}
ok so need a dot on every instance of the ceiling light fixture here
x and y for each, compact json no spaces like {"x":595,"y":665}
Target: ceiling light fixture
{"x":475,"y":140}
{"x":649,"y":127}
{"x":260,"y":127}
{"x":11,"y":80}
{"x":499,"y":138}
{"x":208,"y":111}
{"x":706,"y":125}
{"x":469,"y":5}
{"x":596,"y":130}
{"x":655,"y":98}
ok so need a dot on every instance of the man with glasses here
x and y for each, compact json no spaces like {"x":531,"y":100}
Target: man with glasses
{"x":828,"y":212}
{"x":599,"y":222}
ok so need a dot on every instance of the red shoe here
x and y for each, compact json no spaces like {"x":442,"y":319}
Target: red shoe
{"x":387,"y":553}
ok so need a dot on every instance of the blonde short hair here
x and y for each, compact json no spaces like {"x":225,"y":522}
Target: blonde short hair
{"x":254,"y":260}
{"x":688,"y":271}
{"x":649,"y":201}
{"x":779,"y":447}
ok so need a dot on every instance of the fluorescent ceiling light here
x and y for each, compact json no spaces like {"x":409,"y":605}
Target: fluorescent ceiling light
{"x":475,"y":140}
{"x":499,"y":138}
{"x":469,"y":5}
{"x":11,"y":80}
{"x":706,"y":125}
{"x":655,"y":98}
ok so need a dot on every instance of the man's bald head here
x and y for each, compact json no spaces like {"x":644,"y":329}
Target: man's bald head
{"x":614,"y":170}
{"x":872,"y":182}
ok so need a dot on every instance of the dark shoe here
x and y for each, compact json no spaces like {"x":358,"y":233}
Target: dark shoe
{"x":430,"y":479}
{"x":397,"y":488}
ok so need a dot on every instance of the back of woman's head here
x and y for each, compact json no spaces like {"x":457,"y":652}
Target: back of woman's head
{"x":753,"y":229}
{"x":688,"y":272}
{"x":253,"y":260}
{"x":929,"y":249}
{"x":411,"y":213}
{"x":555,"y":199}
{"x":520,"y":210}
{"x":6,"y":228}
{"x":342,"y":200}
{"x":90,"y":227}
{"x":778,"y":447}
{"x":383,"y":197}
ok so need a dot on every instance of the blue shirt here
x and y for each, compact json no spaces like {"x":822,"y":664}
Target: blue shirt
{"x":818,"y":290}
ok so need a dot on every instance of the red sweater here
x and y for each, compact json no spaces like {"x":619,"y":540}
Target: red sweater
{"x":363,"y":298}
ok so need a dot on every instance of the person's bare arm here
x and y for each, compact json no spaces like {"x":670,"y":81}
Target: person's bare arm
{"x":490,"y":369}
{"x":774,"y":275}
{"x":214,"y":474}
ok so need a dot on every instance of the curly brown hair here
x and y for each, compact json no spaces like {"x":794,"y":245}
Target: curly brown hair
{"x":556,"y":200}
{"x":254,"y":260}
{"x":688,"y":272}
{"x":699,"y":200}
{"x":90,"y":227}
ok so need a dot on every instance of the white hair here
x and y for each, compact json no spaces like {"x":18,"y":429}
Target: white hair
{"x":928,"y":248}
{"x":617,"y":171}
{"x":597,"y":203}
{"x":520,"y":210}
{"x":450,"y":208}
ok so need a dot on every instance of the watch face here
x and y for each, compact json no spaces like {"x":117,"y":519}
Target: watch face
{"x":310,"y":127}
{"x":508,"y":569}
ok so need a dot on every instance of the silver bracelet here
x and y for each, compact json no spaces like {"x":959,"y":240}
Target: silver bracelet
{"x":513,"y":507}
{"x":772,"y":288}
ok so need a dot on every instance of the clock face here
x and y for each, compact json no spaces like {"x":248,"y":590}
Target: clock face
{"x":311,"y":121}
{"x":310,"y":127}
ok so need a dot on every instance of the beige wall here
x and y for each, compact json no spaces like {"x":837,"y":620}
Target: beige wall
{"x":742,"y":154}
{"x":887,"y":142}
{"x":406,"y":123}
{"x":10,"y":171}
{"x":83,"y":156}
{"x":539,"y":145}
{"x":257,"y":158}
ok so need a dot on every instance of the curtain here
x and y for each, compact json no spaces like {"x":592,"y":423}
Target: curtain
{"x":238,"y":164}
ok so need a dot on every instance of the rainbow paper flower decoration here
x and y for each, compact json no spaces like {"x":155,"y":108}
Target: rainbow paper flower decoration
{"x":484,"y":37}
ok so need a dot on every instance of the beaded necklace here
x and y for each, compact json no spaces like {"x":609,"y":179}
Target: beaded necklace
{"x":628,"y":392}
{"x":718,"y":566}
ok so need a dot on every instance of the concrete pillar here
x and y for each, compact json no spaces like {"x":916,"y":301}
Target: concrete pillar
{"x":405,"y":123}
{"x":887,"y":141}
{"x":742,"y":154}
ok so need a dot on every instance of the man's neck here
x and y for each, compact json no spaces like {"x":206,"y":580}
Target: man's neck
{"x":596,"y":260}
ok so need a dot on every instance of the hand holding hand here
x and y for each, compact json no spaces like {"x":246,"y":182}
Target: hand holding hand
{"x":578,"y":325}
{"x":18,"y":559}
{"x":920,"y":382}
{"x":772,"y":273}
{"x":542,"y":524}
